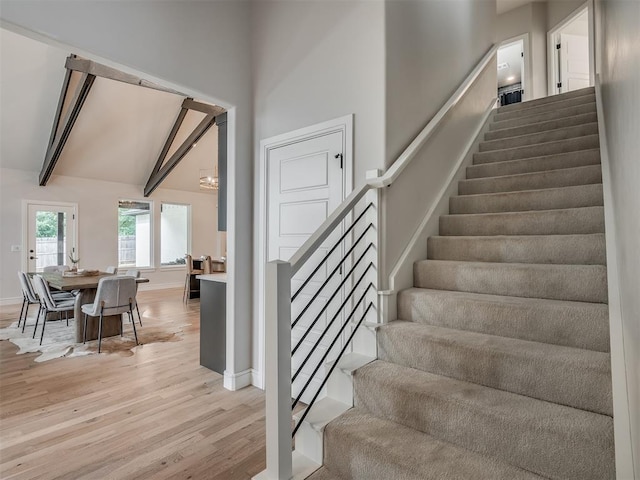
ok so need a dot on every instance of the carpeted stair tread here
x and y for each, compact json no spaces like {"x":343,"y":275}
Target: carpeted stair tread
{"x":562,"y":103}
{"x":565,"y":177}
{"x":571,"y":324}
{"x":561,"y":442}
{"x":545,"y":163}
{"x":546,"y":100}
{"x":568,"y":376}
{"x":542,"y":126}
{"x":322,"y":474}
{"x":583,"y":249}
{"x":580,"y":283}
{"x":554,"y":114}
{"x":540,"y":137}
{"x":360,"y":446}
{"x":541,"y":199}
{"x":567,"y":221}
{"x":540,"y":149}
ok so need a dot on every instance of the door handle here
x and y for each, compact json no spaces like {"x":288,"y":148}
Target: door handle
{"x":32,"y":258}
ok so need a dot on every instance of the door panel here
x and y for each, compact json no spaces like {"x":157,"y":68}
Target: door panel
{"x":574,"y":62}
{"x":51,"y":233}
{"x":305,"y":184}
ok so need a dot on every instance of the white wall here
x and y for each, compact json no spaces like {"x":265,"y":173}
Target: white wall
{"x":97,"y":223}
{"x":200,"y":47}
{"x":529,"y":19}
{"x":619,"y":39}
{"x":559,"y":10}
{"x":431,"y":48}
{"x":315,"y":61}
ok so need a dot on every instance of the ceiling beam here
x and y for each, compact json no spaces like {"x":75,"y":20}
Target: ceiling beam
{"x":60,"y":131}
{"x":167,"y":145}
{"x":158,"y":176}
{"x":191,"y":104}
{"x":83,"y":65}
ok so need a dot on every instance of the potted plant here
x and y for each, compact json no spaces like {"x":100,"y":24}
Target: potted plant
{"x":74,"y":263}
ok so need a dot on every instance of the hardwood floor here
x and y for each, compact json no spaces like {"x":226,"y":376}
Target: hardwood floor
{"x":156,"y":414}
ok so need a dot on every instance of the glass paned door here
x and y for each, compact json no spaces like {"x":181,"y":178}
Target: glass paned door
{"x":51,"y":236}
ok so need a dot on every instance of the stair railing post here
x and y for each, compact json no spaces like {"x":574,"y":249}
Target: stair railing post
{"x":278,"y":370}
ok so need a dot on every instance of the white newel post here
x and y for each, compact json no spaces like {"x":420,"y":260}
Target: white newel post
{"x":278,"y":370}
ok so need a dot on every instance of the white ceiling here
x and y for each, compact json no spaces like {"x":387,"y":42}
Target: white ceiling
{"x":117,"y":136}
{"x":511,"y":55}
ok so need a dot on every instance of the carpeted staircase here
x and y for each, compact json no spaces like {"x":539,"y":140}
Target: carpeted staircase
{"x":499,"y":365}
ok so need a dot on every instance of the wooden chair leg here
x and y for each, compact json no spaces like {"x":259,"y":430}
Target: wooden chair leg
{"x":185,"y":294}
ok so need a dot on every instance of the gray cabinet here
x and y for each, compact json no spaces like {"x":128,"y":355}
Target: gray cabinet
{"x":213,"y":323}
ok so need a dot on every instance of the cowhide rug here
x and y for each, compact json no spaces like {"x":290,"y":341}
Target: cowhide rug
{"x":59,"y":339}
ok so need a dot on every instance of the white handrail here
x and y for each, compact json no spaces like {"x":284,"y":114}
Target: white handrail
{"x":387,"y":178}
{"x":410,"y":152}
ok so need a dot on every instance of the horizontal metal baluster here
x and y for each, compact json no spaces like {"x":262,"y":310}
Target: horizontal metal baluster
{"x":295,"y":322}
{"x":328,"y":279}
{"x":321,"y":362}
{"x":330,"y":323}
{"x":333,"y":367}
{"x":344,"y":235}
{"x":306,"y":332}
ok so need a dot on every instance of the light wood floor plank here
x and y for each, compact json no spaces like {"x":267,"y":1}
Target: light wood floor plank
{"x":154,"y":414}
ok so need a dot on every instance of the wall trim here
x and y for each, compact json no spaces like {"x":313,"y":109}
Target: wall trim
{"x":342,"y":124}
{"x":619,"y":371}
{"x":256,"y":379}
{"x":236,"y":381}
{"x":159,"y":286}
{"x":10,"y":301}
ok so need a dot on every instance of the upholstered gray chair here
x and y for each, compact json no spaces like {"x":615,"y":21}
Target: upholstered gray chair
{"x":135,"y":273}
{"x":30,"y":297}
{"x":55,"y":268}
{"x":49,"y":304}
{"x":115,"y":296}
{"x":111,"y":269}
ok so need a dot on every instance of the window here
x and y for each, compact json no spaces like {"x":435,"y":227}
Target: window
{"x":134,"y":233}
{"x":175,"y":233}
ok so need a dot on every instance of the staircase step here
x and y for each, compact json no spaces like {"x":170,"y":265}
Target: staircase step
{"x":549,"y":107}
{"x":584,"y":249}
{"x":525,"y":200}
{"x":567,"y":376}
{"x":559,"y":161}
{"x":585,"y":142}
{"x":565,"y":177}
{"x":570,"y":324}
{"x":541,"y":126}
{"x":580,"y":283}
{"x":540,"y":137}
{"x":544,"y":117}
{"x":501,"y":425}
{"x":568,"y":221}
{"x":545,"y":100}
{"x":360,"y":446}
{"x":322,"y":412}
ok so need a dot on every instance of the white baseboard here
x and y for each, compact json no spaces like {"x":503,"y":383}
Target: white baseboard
{"x":10,"y":301}
{"x":256,"y":379}
{"x":236,"y":381}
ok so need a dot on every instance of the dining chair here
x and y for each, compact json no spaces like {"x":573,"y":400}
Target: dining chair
{"x":115,"y":296}
{"x":206,"y":265}
{"x":187,"y":282}
{"x":55,"y":268}
{"x":135,"y":273}
{"x":30,"y":297}
{"x":111,"y":269}
{"x":49,"y":304}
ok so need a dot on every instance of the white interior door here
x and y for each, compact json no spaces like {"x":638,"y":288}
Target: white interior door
{"x":574,"y":62}
{"x":305,"y":184}
{"x":51,"y":235}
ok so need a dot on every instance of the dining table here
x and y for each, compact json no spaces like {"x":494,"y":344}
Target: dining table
{"x":86,"y":287}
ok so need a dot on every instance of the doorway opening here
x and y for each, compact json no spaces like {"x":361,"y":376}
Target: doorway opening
{"x":570,"y":52}
{"x":511,"y":71}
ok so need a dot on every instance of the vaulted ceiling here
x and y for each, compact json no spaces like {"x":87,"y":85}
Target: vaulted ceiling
{"x":118,"y":135}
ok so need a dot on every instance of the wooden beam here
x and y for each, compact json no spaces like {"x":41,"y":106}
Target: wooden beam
{"x":59,"y":137}
{"x":83,"y":65}
{"x":63,"y":95}
{"x":156,"y":179}
{"x":191,"y":104}
{"x":170,"y":139}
